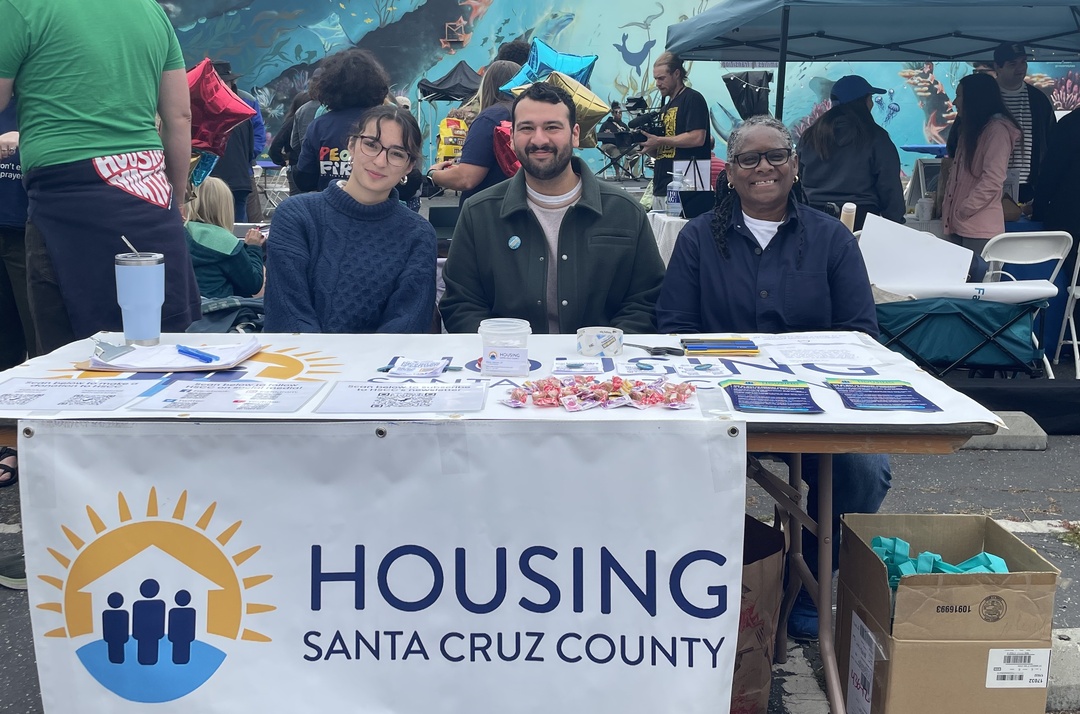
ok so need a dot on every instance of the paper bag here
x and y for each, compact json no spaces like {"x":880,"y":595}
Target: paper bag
{"x":762,"y":592}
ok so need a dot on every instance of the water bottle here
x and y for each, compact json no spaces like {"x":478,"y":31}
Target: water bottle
{"x":673,"y":207}
{"x":924,"y":209}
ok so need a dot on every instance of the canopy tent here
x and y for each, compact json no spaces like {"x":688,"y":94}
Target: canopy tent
{"x":457,"y":85}
{"x":875,"y":30}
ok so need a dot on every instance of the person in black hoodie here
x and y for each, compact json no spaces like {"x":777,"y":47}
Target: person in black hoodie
{"x":845,"y":157}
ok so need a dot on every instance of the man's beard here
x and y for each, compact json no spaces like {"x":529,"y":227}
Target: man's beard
{"x":549,"y":170}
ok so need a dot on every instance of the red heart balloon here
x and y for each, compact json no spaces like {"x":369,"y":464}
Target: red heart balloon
{"x":215,"y":109}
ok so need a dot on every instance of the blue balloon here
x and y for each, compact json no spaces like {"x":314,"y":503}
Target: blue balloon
{"x":543,"y":60}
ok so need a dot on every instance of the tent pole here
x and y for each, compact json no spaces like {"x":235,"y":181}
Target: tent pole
{"x":781,"y":70}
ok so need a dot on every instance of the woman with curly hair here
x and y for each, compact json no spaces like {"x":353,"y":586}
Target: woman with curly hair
{"x":764,"y":261}
{"x":477,"y":168}
{"x":351,"y":82}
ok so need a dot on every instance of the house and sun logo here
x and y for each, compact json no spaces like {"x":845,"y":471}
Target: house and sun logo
{"x":153,"y":605}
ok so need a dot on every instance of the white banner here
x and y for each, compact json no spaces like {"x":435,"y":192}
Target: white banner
{"x":412,"y":567}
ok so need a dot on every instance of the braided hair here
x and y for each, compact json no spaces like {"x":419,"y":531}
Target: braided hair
{"x":725,"y":192}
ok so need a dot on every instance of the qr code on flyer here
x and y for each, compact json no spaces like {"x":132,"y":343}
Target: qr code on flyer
{"x":19,"y":399}
{"x":398,"y":400}
{"x":85,"y":400}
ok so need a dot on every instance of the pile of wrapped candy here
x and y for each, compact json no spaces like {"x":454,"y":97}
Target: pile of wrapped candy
{"x":579,"y":392}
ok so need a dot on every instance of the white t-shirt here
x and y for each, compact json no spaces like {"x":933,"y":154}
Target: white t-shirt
{"x":763,"y":230}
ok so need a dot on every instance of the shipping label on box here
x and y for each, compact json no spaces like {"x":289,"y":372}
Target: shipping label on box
{"x":1018,"y":668}
{"x":860,"y":667}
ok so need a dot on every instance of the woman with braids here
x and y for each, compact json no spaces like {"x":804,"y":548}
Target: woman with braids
{"x":764,"y":261}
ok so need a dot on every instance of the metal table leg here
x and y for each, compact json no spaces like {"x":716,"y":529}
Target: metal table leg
{"x":826,"y":634}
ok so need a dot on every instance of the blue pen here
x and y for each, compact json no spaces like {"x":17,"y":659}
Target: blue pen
{"x":197,"y":354}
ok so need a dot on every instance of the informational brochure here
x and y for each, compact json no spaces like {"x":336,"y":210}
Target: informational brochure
{"x":880,"y":395}
{"x":577,"y":365}
{"x":232,"y":397}
{"x":786,"y":396}
{"x":388,"y":398}
{"x":69,"y":395}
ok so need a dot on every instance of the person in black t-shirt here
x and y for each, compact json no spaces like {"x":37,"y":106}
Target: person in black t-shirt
{"x":686,"y":122}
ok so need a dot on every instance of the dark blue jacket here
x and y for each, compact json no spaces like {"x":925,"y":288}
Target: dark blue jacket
{"x":810,"y":277}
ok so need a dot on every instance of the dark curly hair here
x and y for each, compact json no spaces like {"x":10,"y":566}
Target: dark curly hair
{"x":515,"y":51}
{"x":351,"y":78}
{"x":725,"y":192}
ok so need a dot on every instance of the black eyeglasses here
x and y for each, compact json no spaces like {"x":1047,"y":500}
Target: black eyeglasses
{"x":751,"y":159}
{"x":395,"y":156}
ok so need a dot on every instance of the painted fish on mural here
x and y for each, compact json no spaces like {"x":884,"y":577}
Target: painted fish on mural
{"x":634,"y":59}
{"x":551,"y":27}
{"x":723,"y":131}
{"x":186,"y":12}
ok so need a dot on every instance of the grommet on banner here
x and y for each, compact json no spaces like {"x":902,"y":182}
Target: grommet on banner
{"x":380,"y":432}
{"x":28,"y":432}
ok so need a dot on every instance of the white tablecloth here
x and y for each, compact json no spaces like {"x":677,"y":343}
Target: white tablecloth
{"x":666,"y":230}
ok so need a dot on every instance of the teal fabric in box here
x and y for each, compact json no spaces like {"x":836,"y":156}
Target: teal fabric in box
{"x":943,"y":330}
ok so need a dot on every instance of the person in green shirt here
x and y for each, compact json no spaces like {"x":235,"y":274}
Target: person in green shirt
{"x":91,"y":77}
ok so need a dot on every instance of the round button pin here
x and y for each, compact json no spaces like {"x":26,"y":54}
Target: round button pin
{"x":514,"y":242}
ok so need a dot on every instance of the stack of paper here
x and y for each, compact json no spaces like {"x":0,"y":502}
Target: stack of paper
{"x":166,"y":358}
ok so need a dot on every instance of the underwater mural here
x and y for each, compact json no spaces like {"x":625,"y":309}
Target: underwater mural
{"x":277,"y":44}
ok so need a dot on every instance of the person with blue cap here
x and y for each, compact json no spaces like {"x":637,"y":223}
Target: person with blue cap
{"x":846,"y":157}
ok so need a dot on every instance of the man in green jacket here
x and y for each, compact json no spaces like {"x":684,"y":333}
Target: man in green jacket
{"x":552,"y":245}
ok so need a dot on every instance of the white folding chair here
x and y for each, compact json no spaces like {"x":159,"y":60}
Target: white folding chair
{"x":1028,"y":248}
{"x":1025,"y":249}
{"x":1069,"y":322}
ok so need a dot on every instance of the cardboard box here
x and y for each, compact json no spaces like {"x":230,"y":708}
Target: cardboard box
{"x":956,"y":643}
{"x":762,"y":593}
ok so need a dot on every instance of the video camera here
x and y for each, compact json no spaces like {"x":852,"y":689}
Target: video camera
{"x":645,"y":120}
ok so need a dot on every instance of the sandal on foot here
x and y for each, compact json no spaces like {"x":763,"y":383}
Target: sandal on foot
{"x":11,"y":472}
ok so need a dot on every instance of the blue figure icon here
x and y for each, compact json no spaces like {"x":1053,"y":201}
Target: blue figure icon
{"x":148,"y":622}
{"x":114,"y":628}
{"x":182,"y":628}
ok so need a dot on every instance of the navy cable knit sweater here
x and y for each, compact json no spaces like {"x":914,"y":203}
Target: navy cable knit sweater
{"x":335,"y":265}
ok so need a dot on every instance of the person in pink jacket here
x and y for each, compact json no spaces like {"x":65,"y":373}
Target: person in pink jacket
{"x":971,"y":211}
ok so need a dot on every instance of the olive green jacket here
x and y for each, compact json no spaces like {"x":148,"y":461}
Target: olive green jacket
{"x":609,"y":271}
